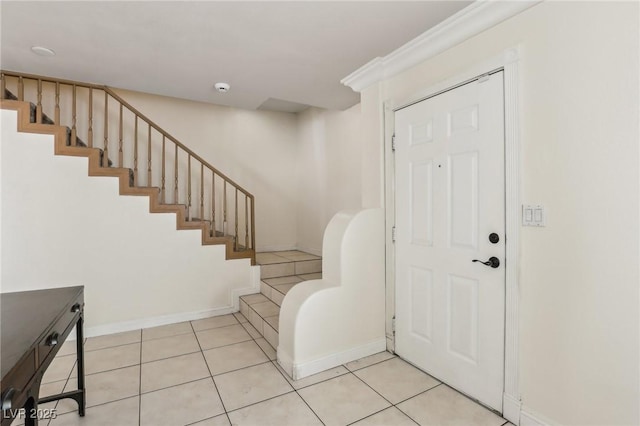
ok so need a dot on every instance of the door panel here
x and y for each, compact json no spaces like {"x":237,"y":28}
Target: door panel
{"x":422,"y":300}
{"x":422,"y":203}
{"x":462,"y":191}
{"x":462,"y":304}
{"x":449,"y":198}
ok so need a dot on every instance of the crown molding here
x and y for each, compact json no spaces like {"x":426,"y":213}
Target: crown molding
{"x":470,"y":21}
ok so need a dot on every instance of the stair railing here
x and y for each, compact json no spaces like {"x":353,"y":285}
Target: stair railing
{"x":99,"y":118}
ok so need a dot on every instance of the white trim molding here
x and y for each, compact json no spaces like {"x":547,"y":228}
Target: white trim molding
{"x":470,"y":21}
{"x":508,"y":61}
{"x":529,"y":417}
{"x":297,"y":370}
{"x":511,"y":408}
{"x":513,"y":166}
{"x":123,"y":326}
{"x":137,"y":324}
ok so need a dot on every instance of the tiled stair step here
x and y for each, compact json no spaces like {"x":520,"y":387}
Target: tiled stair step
{"x":280,"y":271}
{"x":275,"y":288}
{"x":262,"y":314}
{"x":262,"y":310}
{"x":286,"y":263}
{"x":290,"y":268}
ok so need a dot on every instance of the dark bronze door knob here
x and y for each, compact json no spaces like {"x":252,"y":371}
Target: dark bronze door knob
{"x":494,"y":262}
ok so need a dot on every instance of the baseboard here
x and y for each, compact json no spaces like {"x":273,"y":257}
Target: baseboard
{"x":234,"y":306}
{"x":511,"y":407}
{"x":285,"y":361}
{"x":391,"y":345}
{"x":119,"y":327}
{"x":305,"y":369}
{"x":528,"y":417}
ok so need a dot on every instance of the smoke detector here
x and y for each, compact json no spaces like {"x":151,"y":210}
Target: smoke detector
{"x":42,"y":51}
{"x":222,"y":87}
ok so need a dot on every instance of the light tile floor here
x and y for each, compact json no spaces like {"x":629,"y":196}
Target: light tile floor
{"x":219,"y":371}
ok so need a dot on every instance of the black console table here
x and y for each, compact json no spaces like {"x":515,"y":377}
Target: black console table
{"x":33,"y":326}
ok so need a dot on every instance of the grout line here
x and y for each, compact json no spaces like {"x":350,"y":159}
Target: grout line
{"x":252,"y":326}
{"x":213,"y":328}
{"x":99,"y":405}
{"x":104,"y":403}
{"x":55,"y":405}
{"x":109,"y":370}
{"x":172,"y":356}
{"x":298,"y":393}
{"x":240,"y":313}
{"x":258,"y":402}
{"x":264,"y":280}
{"x":190,"y":324}
{"x":140,"y":342}
{"x":370,"y":415}
{"x":285,"y":261}
{"x":166,"y":337}
{"x":476,"y":402}
{"x":216,"y":328}
{"x":316,"y":383}
{"x":371,"y":365}
{"x":312,"y":410}
{"x":209,"y":418}
{"x":285,"y":378}
{"x":109,"y":347}
{"x":102,"y":349}
{"x":224,"y":346}
{"x":262,"y":349}
{"x":419,"y":393}
{"x":400,"y":402}
{"x":100,"y":372}
{"x":176,"y":385}
{"x":407,"y":414}
{"x":241,"y":368}
{"x":211,"y":376}
{"x":367,"y":384}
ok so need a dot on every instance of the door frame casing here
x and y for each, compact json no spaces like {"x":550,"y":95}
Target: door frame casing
{"x":508,"y":62}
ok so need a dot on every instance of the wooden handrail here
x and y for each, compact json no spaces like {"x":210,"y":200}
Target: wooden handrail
{"x":135,"y":111}
{"x":53,"y":80}
{"x":109,"y":92}
{"x":174,"y":140}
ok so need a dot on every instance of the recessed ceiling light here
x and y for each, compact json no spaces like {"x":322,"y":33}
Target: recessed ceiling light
{"x":42,"y":51}
{"x":222,"y":87}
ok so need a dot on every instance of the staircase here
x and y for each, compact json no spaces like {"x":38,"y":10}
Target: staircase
{"x":93,"y":121}
{"x":279,"y":273}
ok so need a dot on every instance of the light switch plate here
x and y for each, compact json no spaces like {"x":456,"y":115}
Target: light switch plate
{"x":533,"y":215}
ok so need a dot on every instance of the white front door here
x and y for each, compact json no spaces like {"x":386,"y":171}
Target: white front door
{"x":449,"y":201}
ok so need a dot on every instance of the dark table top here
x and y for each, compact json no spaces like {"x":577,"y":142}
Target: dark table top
{"x":25,"y":317}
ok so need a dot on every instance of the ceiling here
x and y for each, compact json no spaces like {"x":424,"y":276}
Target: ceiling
{"x":280,"y":56}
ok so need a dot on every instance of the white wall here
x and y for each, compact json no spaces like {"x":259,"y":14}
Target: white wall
{"x":579,"y":276}
{"x":339,"y":318}
{"x":328,"y":171}
{"x":257,"y":149}
{"x":61,"y":227}
{"x":302,"y":168}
